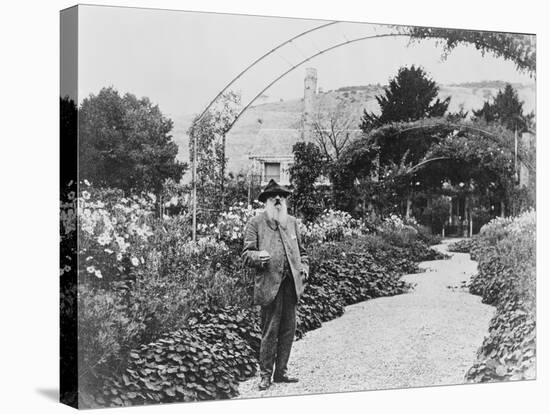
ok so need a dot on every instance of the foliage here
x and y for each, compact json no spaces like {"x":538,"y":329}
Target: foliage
{"x":462,"y":246}
{"x":409,"y":96}
{"x":506,"y":109}
{"x":113,"y":233}
{"x":199,"y":290}
{"x":240,"y":320}
{"x":68,"y":131}
{"x":396,"y":231}
{"x":505,"y":249}
{"x":125,"y":142}
{"x":307,"y":168}
{"x":209,"y":131}
{"x":437,"y":213}
{"x":333,"y":131}
{"x":519,"y":48}
{"x":331,"y":225}
{"x":180,"y":366}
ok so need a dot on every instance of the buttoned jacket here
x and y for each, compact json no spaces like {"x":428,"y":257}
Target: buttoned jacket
{"x":282,"y":243}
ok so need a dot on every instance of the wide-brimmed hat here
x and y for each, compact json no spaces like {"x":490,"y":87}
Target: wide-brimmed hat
{"x":272,"y":189}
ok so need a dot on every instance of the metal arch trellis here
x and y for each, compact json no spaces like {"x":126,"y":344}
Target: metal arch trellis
{"x":347,"y":42}
{"x":237,"y":117}
{"x":226,"y":87}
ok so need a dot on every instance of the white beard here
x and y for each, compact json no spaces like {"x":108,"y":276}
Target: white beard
{"x":278,"y":213}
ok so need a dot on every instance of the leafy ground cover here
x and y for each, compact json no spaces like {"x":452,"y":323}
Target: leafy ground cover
{"x":505,"y":250}
{"x":462,"y":246}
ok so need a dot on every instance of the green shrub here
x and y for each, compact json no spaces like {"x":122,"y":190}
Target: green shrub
{"x":242,"y":321}
{"x":180,"y":366}
{"x":505,"y":250}
{"x":317,"y":304}
{"x":462,"y":246}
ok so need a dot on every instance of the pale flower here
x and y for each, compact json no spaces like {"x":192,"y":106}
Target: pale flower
{"x":104,"y":239}
{"x":90,"y":269}
{"x":86,"y":195}
{"x":119,"y":256}
{"x":87,"y":182}
{"x":98,"y":273}
{"x":135,"y":261}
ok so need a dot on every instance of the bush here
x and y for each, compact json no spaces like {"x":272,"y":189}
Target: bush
{"x":317,"y":304}
{"x":425,"y":235}
{"x":461,"y":246}
{"x":506,"y":249}
{"x":180,"y":366}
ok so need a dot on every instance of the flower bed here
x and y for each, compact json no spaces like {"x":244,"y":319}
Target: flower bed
{"x":505,"y":250}
{"x":157,"y":310}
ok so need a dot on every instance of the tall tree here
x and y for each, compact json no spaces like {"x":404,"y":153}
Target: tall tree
{"x":507,"y":109}
{"x":125,"y":142}
{"x":410,"y":95}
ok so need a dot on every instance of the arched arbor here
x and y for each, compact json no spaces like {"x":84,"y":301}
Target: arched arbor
{"x":391,"y":167}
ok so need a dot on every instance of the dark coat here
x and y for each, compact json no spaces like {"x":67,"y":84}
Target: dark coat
{"x":261,"y":233}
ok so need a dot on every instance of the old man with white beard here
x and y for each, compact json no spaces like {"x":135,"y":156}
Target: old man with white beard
{"x":272,"y":247}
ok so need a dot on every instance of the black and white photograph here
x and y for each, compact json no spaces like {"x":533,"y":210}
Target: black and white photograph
{"x":256,"y":206}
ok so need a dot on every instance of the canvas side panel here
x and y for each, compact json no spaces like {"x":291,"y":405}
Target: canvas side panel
{"x":68,"y":127}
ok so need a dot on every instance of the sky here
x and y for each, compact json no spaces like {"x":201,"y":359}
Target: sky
{"x":181,"y":60}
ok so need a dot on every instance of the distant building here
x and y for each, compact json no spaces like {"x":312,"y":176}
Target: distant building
{"x":272,"y":155}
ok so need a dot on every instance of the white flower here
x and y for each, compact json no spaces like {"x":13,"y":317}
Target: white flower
{"x":135,"y":261}
{"x":119,"y":256}
{"x":98,"y":273}
{"x":109,"y":251}
{"x":90,"y":269}
{"x":67,"y":268}
{"x":86,"y":182}
{"x":104,"y":239}
{"x":85,"y":195}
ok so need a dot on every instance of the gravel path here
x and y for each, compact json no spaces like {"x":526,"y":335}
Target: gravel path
{"x":426,"y":337}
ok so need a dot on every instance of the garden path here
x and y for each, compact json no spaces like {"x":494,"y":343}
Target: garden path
{"x":428,"y":336}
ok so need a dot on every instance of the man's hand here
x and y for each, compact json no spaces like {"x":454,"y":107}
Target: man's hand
{"x":264,"y":257}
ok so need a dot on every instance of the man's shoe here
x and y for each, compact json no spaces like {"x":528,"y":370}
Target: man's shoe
{"x":265,"y":383}
{"x":284,"y":378}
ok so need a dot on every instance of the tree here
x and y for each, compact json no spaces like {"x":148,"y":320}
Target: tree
{"x":307,"y":168}
{"x":333,"y":131}
{"x":124,"y":142}
{"x":410,"y":95}
{"x":506,"y":109}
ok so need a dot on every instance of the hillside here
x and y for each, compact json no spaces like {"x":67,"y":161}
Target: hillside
{"x":274,"y":126}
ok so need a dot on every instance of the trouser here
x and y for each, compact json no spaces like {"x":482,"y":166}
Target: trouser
{"x":278,"y":323}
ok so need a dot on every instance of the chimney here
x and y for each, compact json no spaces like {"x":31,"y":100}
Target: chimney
{"x":310,"y":90}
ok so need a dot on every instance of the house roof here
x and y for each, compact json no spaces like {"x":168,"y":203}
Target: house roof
{"x":275,"y":141}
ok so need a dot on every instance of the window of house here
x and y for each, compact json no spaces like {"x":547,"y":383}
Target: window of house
{"x":272,"y":171}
